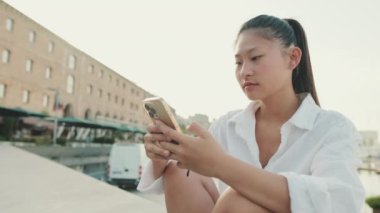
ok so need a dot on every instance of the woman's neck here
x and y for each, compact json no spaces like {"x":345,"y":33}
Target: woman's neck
{"x":278,"y":107}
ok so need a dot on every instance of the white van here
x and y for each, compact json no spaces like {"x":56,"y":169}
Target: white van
{"x":126,"y":163}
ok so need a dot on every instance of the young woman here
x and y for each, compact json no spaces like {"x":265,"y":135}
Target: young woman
{"x":282,"y":153}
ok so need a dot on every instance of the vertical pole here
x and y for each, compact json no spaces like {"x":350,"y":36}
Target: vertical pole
{"x":55,"y":131}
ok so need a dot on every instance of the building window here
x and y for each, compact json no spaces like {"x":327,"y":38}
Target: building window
{"x":109,"y":96}
{"x":132,"y":90}
{"x":91,"y":69}
{"x":116,"y":99}
{"x":134,"y":106}
{"x":32,"y":36}
{"x":5,"y":55}
{"x":50,"y":46}
{"x":70,"y":84}
{"x":100,"y":93}
{"x":25,"y":96}
{"x":9,"y":24}
{"x":117,"y":82}
{"x":101,"y":72}
{"x":45,"y":101}
{"x":110,"y":78}
{"x":123,"y":85}
{"x":122,"y":101}
{"x":3,"y":88}
{"x":89,"y":89}
{"x":29,"y":65}
{"x":48,"y":73}
{"x":72,"y":62}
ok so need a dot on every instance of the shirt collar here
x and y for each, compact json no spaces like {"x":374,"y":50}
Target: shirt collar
{"x":303,"y":118}
{"x":306,"y":113}
{"x":246,"y":114}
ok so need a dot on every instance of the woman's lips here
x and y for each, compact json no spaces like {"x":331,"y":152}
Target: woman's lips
{"x":250,"y":85}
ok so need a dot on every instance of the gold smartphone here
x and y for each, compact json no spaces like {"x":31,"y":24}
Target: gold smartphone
{"x":158,"y":109}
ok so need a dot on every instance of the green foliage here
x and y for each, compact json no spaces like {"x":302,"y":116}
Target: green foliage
{"x":373,"y":202}
{"x":61,"y":141}
{"x":119,"y":135}
{"x":45,"y":113}
{"x":27,"y":140}
{"x":8,"y":127}
{"x":42,"y":140}
{"x":106,"y":140}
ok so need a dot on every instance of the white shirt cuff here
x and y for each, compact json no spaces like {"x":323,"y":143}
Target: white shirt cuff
{"x":323,"y":194}
{"x":307,"y":194}
{"x":148,"y":183}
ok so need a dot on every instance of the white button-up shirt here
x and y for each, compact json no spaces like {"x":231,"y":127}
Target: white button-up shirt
{"x":318,"y":155}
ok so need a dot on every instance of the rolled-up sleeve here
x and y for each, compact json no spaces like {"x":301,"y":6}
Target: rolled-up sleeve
{"x":333,"y":185}
{"x":151,"y":185}
{"x":148,"y":183}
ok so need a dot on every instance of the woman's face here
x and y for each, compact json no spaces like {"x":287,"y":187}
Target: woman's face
{"x":262,"y":66}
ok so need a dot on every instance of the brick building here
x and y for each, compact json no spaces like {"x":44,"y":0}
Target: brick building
{"x":40,"y":71}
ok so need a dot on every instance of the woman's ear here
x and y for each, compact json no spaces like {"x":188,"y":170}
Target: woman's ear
{"x":295,"y":57}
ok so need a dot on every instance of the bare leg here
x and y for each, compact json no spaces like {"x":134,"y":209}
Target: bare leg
{"x":193,"y":193}
{"x":232,"y":201}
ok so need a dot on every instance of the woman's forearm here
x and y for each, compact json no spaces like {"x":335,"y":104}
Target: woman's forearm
{"x":158,"y":167}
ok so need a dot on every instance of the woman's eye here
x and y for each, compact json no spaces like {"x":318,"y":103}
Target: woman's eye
{"x":256,"y":57}
{"x":238,"y":63}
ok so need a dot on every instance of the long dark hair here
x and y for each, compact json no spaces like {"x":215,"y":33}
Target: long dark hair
{"x":288,"y":32}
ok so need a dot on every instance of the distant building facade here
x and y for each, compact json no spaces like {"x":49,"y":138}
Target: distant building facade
{"x":201,"y":119}
{"x":40,"y":71}
{"x":370,"y":146}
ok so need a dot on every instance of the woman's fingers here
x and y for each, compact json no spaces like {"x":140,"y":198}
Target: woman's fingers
{"x":198,"y":130}
{"x":170,"y":146}
{"x":152,"y":128}
{"x":153,"y":137}
{"x":155,"y":156}
{"x":173,"y":134}
{"x":152,"y":147}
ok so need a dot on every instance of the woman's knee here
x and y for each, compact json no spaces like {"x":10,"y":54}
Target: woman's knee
{"x":172,"y":171}
{"x":185,"y":193}
{"x":226,"y":201}
{"x":233,"y":201}
{"x":174,"y":176}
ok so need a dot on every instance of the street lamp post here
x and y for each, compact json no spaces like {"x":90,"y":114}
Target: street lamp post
{"x":55,"y":106}
{"x":55,"y":131}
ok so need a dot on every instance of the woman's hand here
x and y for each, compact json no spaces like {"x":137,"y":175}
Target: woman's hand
{"x":201,"y":154}
{"x":152,"y":140}
{"x":154,"y":151}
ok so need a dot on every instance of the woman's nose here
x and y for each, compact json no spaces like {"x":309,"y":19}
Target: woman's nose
{"x":246,"y":69}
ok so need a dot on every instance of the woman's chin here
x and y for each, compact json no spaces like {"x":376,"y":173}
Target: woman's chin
{"x":252,"y":96}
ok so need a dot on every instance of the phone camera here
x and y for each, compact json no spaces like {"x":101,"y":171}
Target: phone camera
{"x":151,"y":111}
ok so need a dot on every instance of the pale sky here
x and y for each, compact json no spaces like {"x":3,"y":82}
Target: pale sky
{"x":183,"y":50}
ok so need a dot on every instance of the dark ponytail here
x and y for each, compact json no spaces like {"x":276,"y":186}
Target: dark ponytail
{"x":288,"y":31}
{"x":303,"y":80}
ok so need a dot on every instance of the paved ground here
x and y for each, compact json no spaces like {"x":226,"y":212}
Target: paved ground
{"x":30,"y":183}
{"x":159,"y":199}
{"x":156,"y":198}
